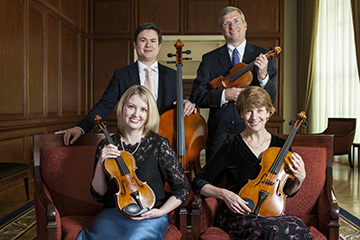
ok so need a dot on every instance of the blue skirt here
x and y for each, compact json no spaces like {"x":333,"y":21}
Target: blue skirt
{"x":111,"y":224}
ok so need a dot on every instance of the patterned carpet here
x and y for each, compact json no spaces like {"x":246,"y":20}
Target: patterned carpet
{"x":21,"y":225}
{"x":349,"y":226}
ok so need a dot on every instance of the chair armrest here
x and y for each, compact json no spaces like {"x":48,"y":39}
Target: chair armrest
{"x":328,"y":209}
{"x":183,"y":220}
{"x":195,"y":214}
{"x":334,"y":224}
{"x":46,"y":203}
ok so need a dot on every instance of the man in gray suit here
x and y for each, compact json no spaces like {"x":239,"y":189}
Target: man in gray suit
{"x":147,"y":43}
{"x":223,"y":117}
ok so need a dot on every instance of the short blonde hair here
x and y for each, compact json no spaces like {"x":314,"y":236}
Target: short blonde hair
{"x":254,"y":97}
{"x":227,"y":10}
{"x":153,"y":118}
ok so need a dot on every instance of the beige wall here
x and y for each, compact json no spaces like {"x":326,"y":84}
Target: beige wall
{"x":290,"y":69}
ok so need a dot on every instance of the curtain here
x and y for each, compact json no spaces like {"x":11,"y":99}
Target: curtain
{"x":335,"y":89}
{"x":355,"y":7}
{"x":307,"y":30}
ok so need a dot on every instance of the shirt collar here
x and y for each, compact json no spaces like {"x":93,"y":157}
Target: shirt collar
{"x":240,"y":48}
{"x":154,"y":66}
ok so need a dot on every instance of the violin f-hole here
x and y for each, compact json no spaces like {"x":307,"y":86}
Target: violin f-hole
{"x":123,"y":192}
{"x":261,"y":180}
{"x":278,"y":193}
{"x":137,"y":183}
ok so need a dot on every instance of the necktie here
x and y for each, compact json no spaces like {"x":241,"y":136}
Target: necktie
{"x":235,"y":58}
{"x":149,"y":81}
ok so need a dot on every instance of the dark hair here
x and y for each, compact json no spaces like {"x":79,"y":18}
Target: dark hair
{"x":147,"y":26}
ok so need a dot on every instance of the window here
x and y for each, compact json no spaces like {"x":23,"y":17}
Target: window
{"x":336,"y":86}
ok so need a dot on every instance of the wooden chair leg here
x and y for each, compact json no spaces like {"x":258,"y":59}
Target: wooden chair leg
{"x":183,"y":222}
{"x":26,"y":183}
{"x":351,"y":163}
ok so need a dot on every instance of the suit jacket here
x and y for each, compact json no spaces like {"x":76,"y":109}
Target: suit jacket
{"x":225,"y":120}
{"x":123,"y":79}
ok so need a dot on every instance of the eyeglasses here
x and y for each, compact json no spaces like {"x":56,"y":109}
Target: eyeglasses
{"x":235,"y":22}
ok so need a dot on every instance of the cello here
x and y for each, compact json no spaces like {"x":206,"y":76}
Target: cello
{"x":265,"y":193}
{"x":134,"y":196}
{"x":240,"y":75}
{"x":187,"y":135}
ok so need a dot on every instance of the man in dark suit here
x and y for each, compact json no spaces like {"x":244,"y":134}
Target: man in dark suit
{"x":160,"y":79}
{"x":223,"y":117}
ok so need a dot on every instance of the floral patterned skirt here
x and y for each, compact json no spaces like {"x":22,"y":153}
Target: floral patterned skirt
{"x":252,"y":226}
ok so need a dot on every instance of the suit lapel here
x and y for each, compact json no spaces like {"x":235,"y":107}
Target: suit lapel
{"x":249,"y":53}
{"x":134,"y":74}
{"x":224,"y":58}
{"x":162,"y":85}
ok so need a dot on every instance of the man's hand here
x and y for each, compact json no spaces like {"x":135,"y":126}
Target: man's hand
{"x":74,"y":132}
{"x":189,"y":108}
{"x":261,"y":62}
{"x":231,"y":94}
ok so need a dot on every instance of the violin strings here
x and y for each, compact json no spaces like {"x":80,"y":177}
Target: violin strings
{"x":279,"y":160}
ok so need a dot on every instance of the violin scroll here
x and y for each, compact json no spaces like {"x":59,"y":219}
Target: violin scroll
{"x":277,"y":50}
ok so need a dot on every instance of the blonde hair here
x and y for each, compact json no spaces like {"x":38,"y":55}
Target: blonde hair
{"x":254,"y":97}
{"x":227,"y":10}
{"x":152,"y":122}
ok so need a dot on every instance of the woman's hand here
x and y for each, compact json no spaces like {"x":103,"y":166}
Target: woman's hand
{"x":109,"y":151}
{"x":297,"y":167}
{"x":235,"y":203}
{"x":171,"y":204}
{"x":98,"y":182}
{"x":153,"y":213}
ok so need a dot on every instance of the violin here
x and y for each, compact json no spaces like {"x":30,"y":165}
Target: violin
{"x":265,"y":193}
{"x":187,"y":135}
{"x":240,"y":75}
{"x":134,"y":196}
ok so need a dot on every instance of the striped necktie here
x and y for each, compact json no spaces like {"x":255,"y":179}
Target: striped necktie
{"x":235,"y":58}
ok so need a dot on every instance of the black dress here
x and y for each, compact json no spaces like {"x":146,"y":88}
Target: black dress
{"x":238,"y":164}
{"x":156,"y":164}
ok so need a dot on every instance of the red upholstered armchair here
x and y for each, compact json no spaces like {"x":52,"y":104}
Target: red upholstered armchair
{"x":315,"y":203}
{"x":63,"y":203}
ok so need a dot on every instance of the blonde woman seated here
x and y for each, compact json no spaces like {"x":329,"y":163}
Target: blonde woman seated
{"x":138,"y":121}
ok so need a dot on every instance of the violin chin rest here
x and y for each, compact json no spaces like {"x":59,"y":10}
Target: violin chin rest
{"x":134,"y":210}
{"x":251,"y":204}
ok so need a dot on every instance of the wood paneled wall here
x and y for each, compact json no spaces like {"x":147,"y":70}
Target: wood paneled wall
{"x":44,"y":71}
{"x":57,"y":56}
